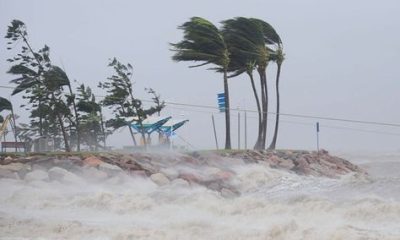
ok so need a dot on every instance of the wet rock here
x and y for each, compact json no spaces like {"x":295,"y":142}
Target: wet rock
{"x":110,"y":169}
{"x":4,"y":173}
{"x":37,"y":175}
{"x":160,"y":179}
{"x":171,"y":173}
{"x":92,"y":173}
{"x":39,"y":167}
{"x":286,"y":164}
{"x":179,"y":182}
{"x":14,"y":167}
{"x":191,"y":178}
{"x":92,"y":161}
{"x":139,"y":173}
{"x":214,"y":186}
{"x":228,"y":193}
{"x":62,"y":175}
{"x":64,"y":163}
{"x":224,"y":175}
{"x":302,"y":166}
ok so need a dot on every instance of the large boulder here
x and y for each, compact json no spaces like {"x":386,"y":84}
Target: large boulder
{"x":37,"y":175}
{"x":110,"y":169}
{"x":62,"y":175}
{"x":159,"y":179}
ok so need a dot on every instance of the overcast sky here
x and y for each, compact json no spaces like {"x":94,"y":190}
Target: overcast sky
{"x":342,"y":60}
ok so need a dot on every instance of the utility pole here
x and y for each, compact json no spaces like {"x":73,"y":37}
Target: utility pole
{"x":215,"y":132}
{"x":317,"y":136}
{"x":245,"y":130}
{"x":238,"y":130}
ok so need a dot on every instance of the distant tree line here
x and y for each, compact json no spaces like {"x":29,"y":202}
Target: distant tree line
{"x":72,"y":117}
{"x":241,"y":46}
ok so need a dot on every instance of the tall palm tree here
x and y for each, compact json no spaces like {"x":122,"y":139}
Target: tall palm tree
{"x":278,"y":57}
{"x":204,"y":42}
{"x":247,"y":39}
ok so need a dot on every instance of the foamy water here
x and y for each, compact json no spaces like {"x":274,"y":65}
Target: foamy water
{"x":273,"y":204}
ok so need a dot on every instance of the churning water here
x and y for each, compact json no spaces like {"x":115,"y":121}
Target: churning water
{"x":273,"y":204}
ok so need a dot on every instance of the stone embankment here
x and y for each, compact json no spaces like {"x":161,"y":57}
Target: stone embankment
{"x":212,"y":169}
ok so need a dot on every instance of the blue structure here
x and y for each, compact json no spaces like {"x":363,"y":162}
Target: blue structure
{"x":150,"y":125}
{"x":221,"y":101}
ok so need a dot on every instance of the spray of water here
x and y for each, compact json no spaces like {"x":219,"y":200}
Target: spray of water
{"x":254,"y":202}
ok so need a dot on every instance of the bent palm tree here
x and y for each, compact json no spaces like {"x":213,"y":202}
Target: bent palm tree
{"x":203,"y":42}
{"x":248,"y":38}
{"x":278,"y":57}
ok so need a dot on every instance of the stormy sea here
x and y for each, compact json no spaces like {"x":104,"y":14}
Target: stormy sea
{"x":268,"y":203}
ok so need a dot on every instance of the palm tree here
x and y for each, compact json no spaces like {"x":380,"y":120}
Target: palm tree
{"x":278,"y":57}
{"x":204,"y":42}
{"x":248,"y":38}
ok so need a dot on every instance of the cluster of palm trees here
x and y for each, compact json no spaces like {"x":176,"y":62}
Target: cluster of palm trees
{"x":241,"y":46}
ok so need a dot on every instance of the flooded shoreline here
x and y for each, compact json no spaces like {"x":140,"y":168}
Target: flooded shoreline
{"x":271,"y":204}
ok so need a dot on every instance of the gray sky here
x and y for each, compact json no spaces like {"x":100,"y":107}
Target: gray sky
{"x":341,"y":61}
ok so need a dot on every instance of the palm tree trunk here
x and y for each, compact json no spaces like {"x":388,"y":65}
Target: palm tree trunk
{"x":103,"y":129}
{"x":130,"y":129}
{"x":60,"y":121}
{"x":14,"y":128}
{"x":265,"y":120}
{"x":273,"y":143}
{"x":227,"y":113}
{"x":264,"y":102}
{"x":40,"y":119}
{"x":78,"y":132}
{"x":258,"y":109}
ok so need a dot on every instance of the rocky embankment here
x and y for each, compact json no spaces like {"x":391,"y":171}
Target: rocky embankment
{"x":212,"y":169}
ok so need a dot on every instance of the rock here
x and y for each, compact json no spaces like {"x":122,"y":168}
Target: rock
{"x":139,"y":173}
{"x":191,"y":178}
{"x":92,"y":161}
{"x":179,"y":182}
{"x":160,"y":179}
{"x":214,"y":186}
{"x":224,"y":175}
{"x":286,"y":164}
{"x":94,"y":174}
{"x":37,"y":175}
{"x":227,"y":193}
{"x":4,"y":173}
{"x":39,"y":167}
{"x":302,"y":166}
{"x":170,"y":173}
{"x":62,"y":175}
{"x":64,"y":163}
{"x":14,"y":167}
{"x":110,"y":169}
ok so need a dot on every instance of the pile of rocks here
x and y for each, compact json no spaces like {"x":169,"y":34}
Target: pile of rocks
{"x":211,"y":169}
{"x":301,"y":162}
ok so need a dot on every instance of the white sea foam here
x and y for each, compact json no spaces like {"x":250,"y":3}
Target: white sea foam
{"x":273,"y":204}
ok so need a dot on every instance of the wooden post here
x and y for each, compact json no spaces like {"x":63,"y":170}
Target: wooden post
{"x":238,"y":130}
{"x":245,"y":130}
{"x":215,"y":132}
{"x":317,"y":136}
